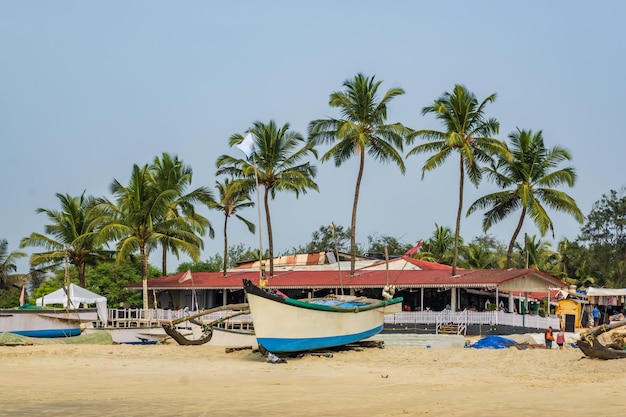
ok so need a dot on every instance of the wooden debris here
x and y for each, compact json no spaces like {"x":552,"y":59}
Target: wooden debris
{"x":237,"y":348}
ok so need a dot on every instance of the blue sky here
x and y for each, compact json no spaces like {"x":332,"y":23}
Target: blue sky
{"x":90,"y":88}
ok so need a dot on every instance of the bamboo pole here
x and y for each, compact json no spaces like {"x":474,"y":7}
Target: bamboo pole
{"x":241,"y":306}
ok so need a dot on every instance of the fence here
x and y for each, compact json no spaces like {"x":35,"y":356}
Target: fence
{"x":466,"y":317}
{"x":130,"y":317}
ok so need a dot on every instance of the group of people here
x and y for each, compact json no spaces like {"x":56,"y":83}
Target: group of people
{"x":549,"y":338}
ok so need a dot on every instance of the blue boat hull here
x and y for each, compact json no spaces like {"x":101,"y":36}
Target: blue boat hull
{"x":286,"y":345}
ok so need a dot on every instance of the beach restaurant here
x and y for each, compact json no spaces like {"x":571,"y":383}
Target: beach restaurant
{"x":429,"y":290}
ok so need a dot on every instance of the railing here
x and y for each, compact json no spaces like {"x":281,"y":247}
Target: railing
{"x":137,"y":317}
{"x":466,"y":317}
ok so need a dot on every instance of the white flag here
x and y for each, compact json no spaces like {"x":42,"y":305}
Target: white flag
{"x":247,"y":145}
{"x":186,"y":277}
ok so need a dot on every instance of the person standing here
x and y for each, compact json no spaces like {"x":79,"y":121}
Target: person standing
{"x":560,"y":339}
{"x":596,"y":316}
{"x":549,"y":338}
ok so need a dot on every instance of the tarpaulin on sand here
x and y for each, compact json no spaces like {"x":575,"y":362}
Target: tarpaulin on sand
{"x":494,"y":342}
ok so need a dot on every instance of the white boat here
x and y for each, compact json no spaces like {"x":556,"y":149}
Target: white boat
{"x":143,"y":335}
{"x":44,"y":322}
{"x":283,"y":324}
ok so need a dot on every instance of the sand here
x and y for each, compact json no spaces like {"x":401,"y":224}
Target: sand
{"x":172,"y":380}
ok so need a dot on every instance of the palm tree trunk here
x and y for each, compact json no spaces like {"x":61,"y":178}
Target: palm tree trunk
{"x":457,"y":230}
{"x":225,"y":245}
{"x":81,"y":275}
{"x":357,"y":189}
{"x":509,"y":252}
{"x":144,"y":276}
{"x":270,"y":238}
{"x":164,"y":261}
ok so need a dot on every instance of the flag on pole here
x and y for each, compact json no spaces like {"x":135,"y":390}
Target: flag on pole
{"x":414,"y":249}
{"x":186,"y":277}
{"x":247,"y":145}
{"x":22,"y":297}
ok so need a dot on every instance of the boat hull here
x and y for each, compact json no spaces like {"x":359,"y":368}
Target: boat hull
{"x":44,"y":323}
{"x":285,"y":325}
{"x":134,"y":335}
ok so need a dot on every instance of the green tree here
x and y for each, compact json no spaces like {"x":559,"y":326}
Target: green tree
{"x":604,"y":234}
{"x":468,"y":133}
{"x":528,"y":179}
{"x":169,"y":173}
{"x":277,"y":165}
{"x":322,"y":240}
{"x":70,"y":234}
{"x":8,"y":267}
{"x":138,"y":221}
{"x":378,"y":243}
{"x":232,"y":199}
{"x":362,"y":128}
{"x":537,"y":254}
{"x":478,"y":256}
{"x":214,"y":263}
{"x":438,"y":248}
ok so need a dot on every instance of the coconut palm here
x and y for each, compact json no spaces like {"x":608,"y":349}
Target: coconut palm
{"x":468,"y":133}
{"x":170,"y":173}
{"x":528,"y":180}
{"x":8,"y":266}
{"x":362,"y":128}
{"x":477,"y":256}
{"x":232,"y":199}
{"x":537,"y":254}
{"x":438,"y":247}
{"x":69,"y":235}
{"x":138,"y":221}
{"x":277,"y":166}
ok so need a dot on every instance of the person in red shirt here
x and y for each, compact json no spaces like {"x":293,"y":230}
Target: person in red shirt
{"x":560,"y":339}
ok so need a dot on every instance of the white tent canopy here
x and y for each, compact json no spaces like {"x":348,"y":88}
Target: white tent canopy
{"x":605,"y":292}
{"x":78,"y":295}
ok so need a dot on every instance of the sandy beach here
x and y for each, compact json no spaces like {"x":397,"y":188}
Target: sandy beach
{"x":172,"y":380}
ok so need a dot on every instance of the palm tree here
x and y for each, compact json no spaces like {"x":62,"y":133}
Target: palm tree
{"x":169,"y":173}
{"x":232,"y":199}
{"x":438,"y":247}
{"x":537,"y":254}
{"x":468,"y":133}
{"x":476,"y":256}
{"x":139,"y":221}
{"x":69,"y":234}
{"x":362,"y":129}
{"x":528,"y":181}
{"x":277,"y":167}
{"x":8,"y":266}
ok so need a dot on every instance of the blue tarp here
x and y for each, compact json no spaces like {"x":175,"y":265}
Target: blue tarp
{"x":493,"y":342}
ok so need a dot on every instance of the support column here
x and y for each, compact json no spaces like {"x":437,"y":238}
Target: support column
{"x":511,"y":302}
{"x":453,"y":299}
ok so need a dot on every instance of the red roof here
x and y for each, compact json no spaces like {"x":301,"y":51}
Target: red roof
{"x":431,"y":275}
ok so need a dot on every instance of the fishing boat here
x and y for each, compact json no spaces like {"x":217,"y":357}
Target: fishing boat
{"x":592,"y":347}
{"x":33,"y":321}
{"x":286,"y":325}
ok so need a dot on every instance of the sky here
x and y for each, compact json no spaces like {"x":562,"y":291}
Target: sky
{"x":88,"y":89}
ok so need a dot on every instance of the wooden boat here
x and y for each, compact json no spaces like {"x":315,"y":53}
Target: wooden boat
{"x":593,"y":348}
{"x":284,"y":325}
{"x":217,"y":332}
{"x":35,"y":321}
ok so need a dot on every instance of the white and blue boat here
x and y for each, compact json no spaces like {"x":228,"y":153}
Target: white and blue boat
{"x":286,"y":325}
{"x":34,"y":321}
